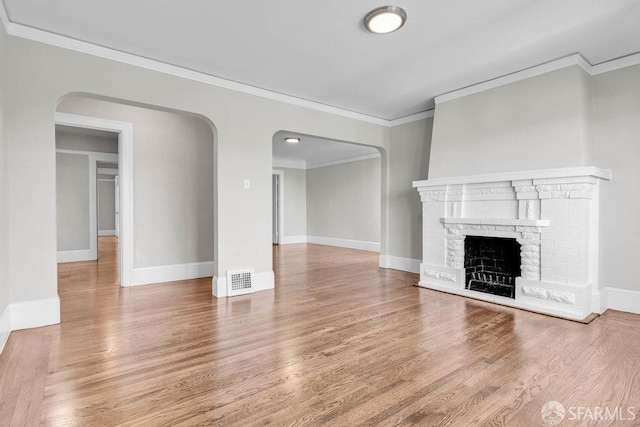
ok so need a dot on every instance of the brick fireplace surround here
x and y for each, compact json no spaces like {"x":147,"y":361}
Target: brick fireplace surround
{"x":552,"y":213}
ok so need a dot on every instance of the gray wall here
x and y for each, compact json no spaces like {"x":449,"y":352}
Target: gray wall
{"x":106,"y":205}
{"x":72,"y":201}
{"x":173,"y":184}
{"x":343,"y":201}
{"x":39,"y":75}
{"x":78,"y":142}
{"x":537,"y":123}
{"x":295,"y":201}
{"x":616,"y":131}
{"x":409,"y":152}
{"x":4,"y":285}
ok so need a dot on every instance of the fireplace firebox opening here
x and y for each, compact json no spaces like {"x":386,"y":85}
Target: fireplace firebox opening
{"x":491,"y":265}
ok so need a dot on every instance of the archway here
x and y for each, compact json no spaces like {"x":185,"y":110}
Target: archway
{"x":168,"y":219}
{"x":309,"y":159}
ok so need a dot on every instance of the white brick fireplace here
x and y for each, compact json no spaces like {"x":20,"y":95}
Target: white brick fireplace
{"x":553,"y":215}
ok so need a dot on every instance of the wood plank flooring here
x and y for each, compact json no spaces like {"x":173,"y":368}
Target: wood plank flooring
{"x":340,"y":342}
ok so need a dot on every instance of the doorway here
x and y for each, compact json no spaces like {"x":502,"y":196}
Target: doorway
{"x":122,"y":157}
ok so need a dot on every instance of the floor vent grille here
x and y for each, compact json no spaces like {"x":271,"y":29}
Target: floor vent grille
{"x":239,"y":282}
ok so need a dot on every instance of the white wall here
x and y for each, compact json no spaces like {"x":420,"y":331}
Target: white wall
{"x":72,"y":201}
{"x":343,"y":201}
{"x":39,"y":75}
{"x":409,"y":152}
{"x":559,"y":119}
{"x":616,"y":131}
{"x":537,"y":123}
{"x":106,"y":205}
{"x":172,"y":181}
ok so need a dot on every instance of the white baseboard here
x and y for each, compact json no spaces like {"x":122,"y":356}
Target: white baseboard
{"x":402,"y":264}
{"x":76,"y":256}
{"x":5,"y":327}
{"x":171,"y":273}
{"x":344,"y":243}
{"x":107,"y":233}
{"x":287,"y":240}
{"x":261,"y":282}
{"x":33,"y":314}
{"x":623,"y":300}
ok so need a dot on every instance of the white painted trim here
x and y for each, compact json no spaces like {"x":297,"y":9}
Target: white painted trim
{"x":280,"y":203}
{"x":398,"y":263}
{"x":108,"y":157}
{"x":125,"y":162}
{"x":93,"y":207}
{"x":347,"y":160}
{"x":261,"y":282}
{"x":616,"y":64}
{"x":28,"y":314}
{"x":171,"y":273}
{"x":287,"y":240}
{"x":76,"y":256}
{"x":45,"y":37}
{"x":107,"y":179}
{"x":288,"y":163}
{"x":107,"y":233}
{"x":412,"y":118}
{"x":107,"y":171}
{"x":623,"y":300}
{"x":568,"y":61}
{"x":345,"y":243}
{"x":76,"y":152}
{"x":64,"y":42}
{"x":5,"y":326}
{"x":571,"y":172}
{"x":33,"y":314}
{"x":301,"y":164}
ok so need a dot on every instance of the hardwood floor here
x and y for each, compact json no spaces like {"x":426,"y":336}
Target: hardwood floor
{"x":340,"y":342}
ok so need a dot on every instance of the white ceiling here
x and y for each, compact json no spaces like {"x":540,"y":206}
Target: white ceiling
{"x":319,"y":50}
{"x":313,"y":151}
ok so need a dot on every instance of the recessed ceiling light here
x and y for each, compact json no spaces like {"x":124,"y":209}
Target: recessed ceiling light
{"x":385,"y":19}
{"x":292,"y":140}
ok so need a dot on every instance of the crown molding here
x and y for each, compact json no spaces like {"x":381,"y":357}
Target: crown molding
{"x":41,"y":36}
{"x":412,"y":118}
{"x":616,"y":64}
{"x":568,"y":61}
{"x":288,"y":163}
{"x":45,"y":37}
{"x":301,"y":164}
{"x":341,"y":161}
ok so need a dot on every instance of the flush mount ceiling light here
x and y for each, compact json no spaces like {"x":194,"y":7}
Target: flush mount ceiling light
{"x":385,"y":19}
{"x":292,"y":140}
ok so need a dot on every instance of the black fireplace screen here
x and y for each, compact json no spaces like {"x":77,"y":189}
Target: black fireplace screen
{"x":492,"y":265}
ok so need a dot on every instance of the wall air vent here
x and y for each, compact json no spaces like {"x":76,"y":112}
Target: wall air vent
{"x":239,"y":282}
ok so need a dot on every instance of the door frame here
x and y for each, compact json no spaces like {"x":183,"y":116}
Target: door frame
{"x":280,"y":220}
{"x":125,"y":166}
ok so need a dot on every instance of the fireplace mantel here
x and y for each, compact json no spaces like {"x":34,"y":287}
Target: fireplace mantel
{"x":552,"y":213}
